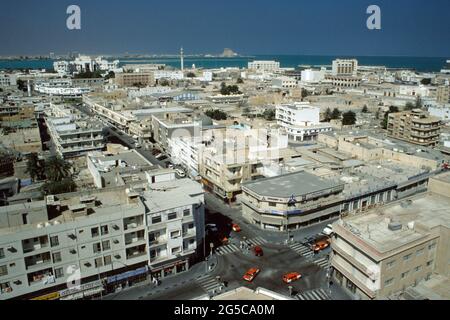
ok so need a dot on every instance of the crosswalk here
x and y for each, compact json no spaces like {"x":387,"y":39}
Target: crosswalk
{"x":258,"y":241}
{"x":322,"y":262}
{"x":301,"y":249}
{"x":208,"y":283}
{"x":316,"y":294}
{"x":229,"y":248}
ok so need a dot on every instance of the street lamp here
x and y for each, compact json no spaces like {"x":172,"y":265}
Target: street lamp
{"x":290,"y":290}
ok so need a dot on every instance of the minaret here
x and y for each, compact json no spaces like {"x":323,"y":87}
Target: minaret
{"x":182,"y":59}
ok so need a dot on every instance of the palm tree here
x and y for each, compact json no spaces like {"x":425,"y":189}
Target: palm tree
{"x":56,"y":169}
{"x":34,"y":168}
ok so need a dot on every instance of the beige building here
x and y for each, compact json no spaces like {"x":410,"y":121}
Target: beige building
{"x":414,"y":126}
{"x":133,"y":79}
{"x":443,"y":94}
{"x":391,"y":248}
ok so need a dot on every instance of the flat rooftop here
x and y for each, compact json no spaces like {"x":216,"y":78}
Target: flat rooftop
{"x":428,"y":210}
{"x":296,"y":183}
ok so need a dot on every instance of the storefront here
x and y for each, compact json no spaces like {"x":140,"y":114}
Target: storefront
{"x":84,"y":291}
{"x":129,"y":278}
{"x":169,"y":269}
{"x":49,"y":296}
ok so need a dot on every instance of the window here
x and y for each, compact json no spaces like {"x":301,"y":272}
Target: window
{"x":156,"y":219}
{"x":99,"y":262}
{"x":3,"y":270}
{"x":388,"y":282}
{"x":191,"y":241}
{"x":171,"y":216}
{"x":2,"y":253}
{"x":176,"y":250}
{"x":420,"y":251}
{"x":418,"y":268}
{"x":104,"y":230}
{"x":59,"y":273}
{"x":56,"y":257}
{"x":405,"y":274}
{"x":96,"y":247}
{"x":429,"y":263}
{"x":106,"y":245}
{"x":5,"y":287}
{"x":407,"y":257}
{"x":272,"y":204}
{"x":107,"y":260}
{"x":25,"y":218}
{"x":432,"y":246}
{"x":54,"y":241}
{"x":175,"y":234}
{"x":94,"y":232}
{"x":186,"y":212}
{"x":390,"y":264}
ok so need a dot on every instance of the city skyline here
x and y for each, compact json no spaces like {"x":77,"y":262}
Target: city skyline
{"x":407,"y":28}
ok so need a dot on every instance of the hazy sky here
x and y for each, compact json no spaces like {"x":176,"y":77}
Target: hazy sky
{"x":324,"y":27}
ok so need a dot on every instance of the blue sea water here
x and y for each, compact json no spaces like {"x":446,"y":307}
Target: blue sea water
{"x":423,"y":64}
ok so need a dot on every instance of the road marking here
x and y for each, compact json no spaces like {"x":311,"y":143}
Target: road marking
{"x":208,"y":283}
{"x":230,"y":248}
{"x":323,"y":262}
{"x":256,"y":241}
{"x":301,"y":249}
{"x":316,"y":294}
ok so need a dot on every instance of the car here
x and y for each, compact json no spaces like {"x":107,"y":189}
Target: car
{"x":224,"y":240}
{"x":328,"y":230}
{"x":235,"y":227}
{"x":251,"y":274}
{"x":180,"y":173}
{"x":320,"y":245}
{"x":258,"y":251}
{"x":137,"y":145}
{"x":291,"y":277}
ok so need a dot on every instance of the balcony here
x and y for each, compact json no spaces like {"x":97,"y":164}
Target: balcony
{"x":134,"y":237}
{"x":34,"y":244}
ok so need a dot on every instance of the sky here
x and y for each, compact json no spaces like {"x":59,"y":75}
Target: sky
{"x":319,"y":27}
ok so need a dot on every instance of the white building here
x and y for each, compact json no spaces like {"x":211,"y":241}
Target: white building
{"x":263,"y":65}
{"x":301,"y":121}
{"x":185,"y":151}
{"x":446,"y":69}
{"x":440,"y":111}
{"x":108,"y":237}
{"x":284,"y":83}
{"x":343,"y":67}
{"x":53,"y":90}
{"x":8,"y":79}
{"x":168,"y":74}
{"x":84,"y":64}
{"x":313,"y":76}
{"x":420,"y":90}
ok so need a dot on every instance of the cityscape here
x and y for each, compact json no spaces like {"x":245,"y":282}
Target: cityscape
{"x":224,"y":176}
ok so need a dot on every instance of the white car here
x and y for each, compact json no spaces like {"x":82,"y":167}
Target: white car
{"x":328,"y":230}
{"x":180,"y":173}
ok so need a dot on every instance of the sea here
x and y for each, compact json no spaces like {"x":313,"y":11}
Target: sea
{"x":421,"y":64}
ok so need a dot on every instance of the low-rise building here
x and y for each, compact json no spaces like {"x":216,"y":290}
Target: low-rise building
{"x":301,"y":121}
{"x":391,"y":248}
{"x":345,"y":67}
{"x":133,"y":79}
{"x":415,"y":126}
{"x":265,"y":66}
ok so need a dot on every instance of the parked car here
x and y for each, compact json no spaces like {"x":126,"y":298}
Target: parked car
{"x":258,"y":251}
{"x":321,"y":244}
{"x":291,"y":277}
{"x":251,"y":274}
{"x":235,"y":227}
{"x":328,"y":230}
{"x":180,"y":173}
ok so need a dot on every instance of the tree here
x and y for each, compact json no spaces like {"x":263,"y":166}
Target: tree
{"x":425,"y":81}
{"x":164,"y":82}
{"x":190,"y":75}
{"x":88,"y":75}
{"x":22,"y":85}
{"x":409,"y":106}
{"x":227,"y":90}
{"x":34,"y":167}
{"x":269,"y":114}
{"x":327,"y":116}
{"x":58,"y":187}
{"x":110,"y":75}
{"x":349,"y":118}
{"x":392,"y":109}
{"x":216,"y":114}
{"x":305,"y":93}
{"x":365,"y":109}
{"x":245,"y":110}
{"x":419,"y":102}
{"x":240,"y":80}
{"x":336,"y":114}
{"x":57,"y":169}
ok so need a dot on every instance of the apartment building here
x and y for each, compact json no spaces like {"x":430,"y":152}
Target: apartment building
{"x":233,"y":156}
{"x":443,"y":94}
{"x":265,"y":66}
{"x":392,"y":248}
{"x":75,"y":137}
{"x":133,"y":79}
{"x":284,"y":83}
{"x":342,"y":67}
{"x":101,"y":239}
{"x":290,"y":201}
{"x":415,"y":126}
{"x":343,"y":81}
{"x":7,"y":79}
{"x":301,"y":120}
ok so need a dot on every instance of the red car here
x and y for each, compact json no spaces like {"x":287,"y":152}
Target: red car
{"x":258,"y":251}
{"x":291,"y":277}
{"x":236,"y":227}
{"x":251,"y":274}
